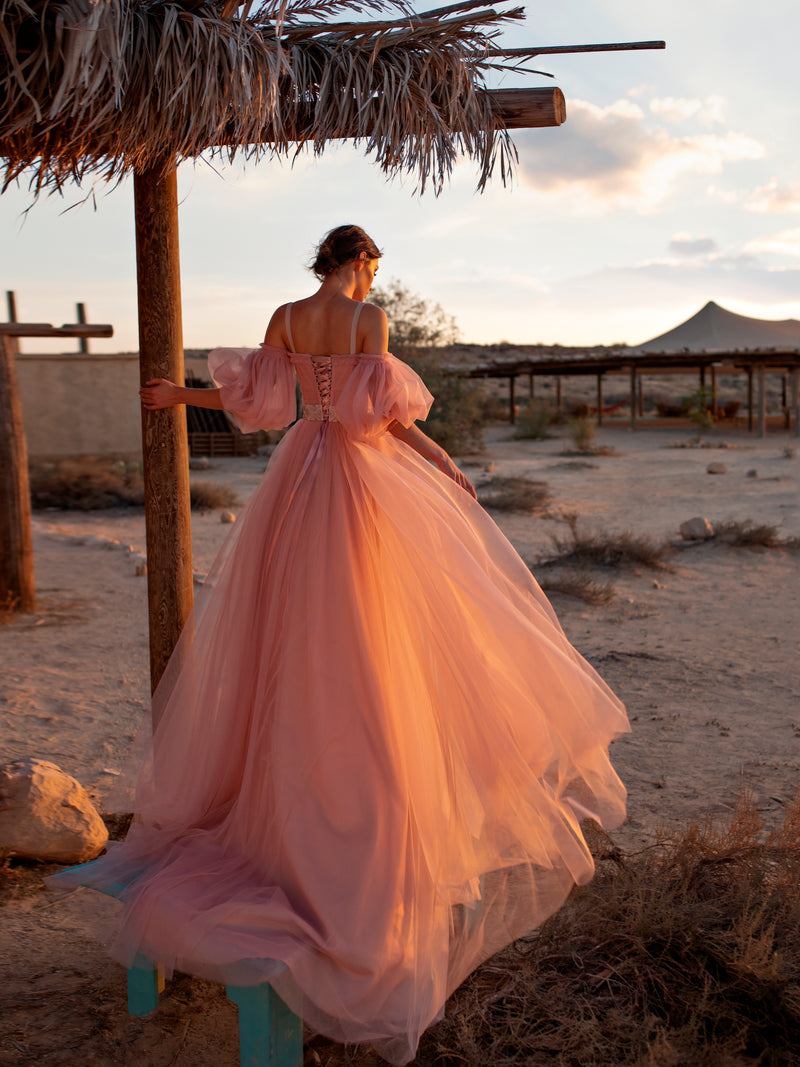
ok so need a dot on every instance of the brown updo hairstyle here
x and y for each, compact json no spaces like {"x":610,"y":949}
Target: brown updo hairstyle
{"x":342,"y":245}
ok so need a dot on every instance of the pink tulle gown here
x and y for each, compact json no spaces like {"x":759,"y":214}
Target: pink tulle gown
{"x":375,"y":743}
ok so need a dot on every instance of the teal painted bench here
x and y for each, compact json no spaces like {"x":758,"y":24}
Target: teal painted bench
{"x":270,"y":1034}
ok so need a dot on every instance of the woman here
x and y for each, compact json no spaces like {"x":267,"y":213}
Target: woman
{"x":375,"y":743}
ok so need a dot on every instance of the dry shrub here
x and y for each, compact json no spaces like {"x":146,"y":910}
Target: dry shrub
{"x":687,"y":953}
{"x":599,"y":549}
{"x":88,"y":484}
{"x":205,"y":496}
{"x":514,"y":494}
{"x":580,"y":585}
{"x":749,"y":534}
{"x":582,"y":430}
{"x":533,"y":420}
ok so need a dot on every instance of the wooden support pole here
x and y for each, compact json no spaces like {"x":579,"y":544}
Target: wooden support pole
{"x":750,"y":399}
{"x":11,"y":301}
{"x":599,"y":399}
{"x":83,"y":343}
{"x":762,"y":401}
{"x":559,"y":398}
{"x":714,"y":411}
{"x":640,"y":396}
{"x":512,"y":399}
{"x":795,"y":387}
{"x":17,"y":588}
{"x":633,"y":396}
{"x":703,"y":379}
{"x":164,"y":436}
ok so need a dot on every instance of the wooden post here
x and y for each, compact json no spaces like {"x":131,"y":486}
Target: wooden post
{"x":17,"y":589}
{"x":599,"y":399}
{"x":633,"y":396}
{"x":83,"y":343}
{"x":762,"y":400}
{"x":714,"y":390}
{"x":795,"y":381}
{"x":11,"y":301}
{"x":750,"y":399}
{"x":640,"y":396}
{"x":512,"y":400}
{"x":164,"y":436}
{"x":703,"y":378}
{"x":558,"y":393}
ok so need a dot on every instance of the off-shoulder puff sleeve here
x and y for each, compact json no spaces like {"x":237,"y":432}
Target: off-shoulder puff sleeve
{"x":257,"y":386}
{"x":382,"y":390}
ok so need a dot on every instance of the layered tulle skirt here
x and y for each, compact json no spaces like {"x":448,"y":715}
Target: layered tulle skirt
{"x":374,"y":750}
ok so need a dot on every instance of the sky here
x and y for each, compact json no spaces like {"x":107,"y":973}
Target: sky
{"x":675,"y":180}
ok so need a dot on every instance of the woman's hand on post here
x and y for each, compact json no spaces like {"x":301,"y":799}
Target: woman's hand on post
{"x":446,"y":465}
{"x":159,"y":393}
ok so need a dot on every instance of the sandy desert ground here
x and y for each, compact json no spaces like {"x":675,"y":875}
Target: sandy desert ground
{"x":703,"y":654}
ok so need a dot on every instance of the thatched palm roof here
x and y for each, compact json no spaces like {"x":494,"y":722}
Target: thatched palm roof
{"x":109,"y":86}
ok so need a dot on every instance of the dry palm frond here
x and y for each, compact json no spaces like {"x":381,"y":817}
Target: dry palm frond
{"x":109,"y":86}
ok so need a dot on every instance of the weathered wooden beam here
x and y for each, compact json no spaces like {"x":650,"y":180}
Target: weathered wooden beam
{"x":164,"y":436}
{"x":523,"y":109}
{"x":44,"y":329}
{"x":515,"y":109}
{"x":17,"y":589}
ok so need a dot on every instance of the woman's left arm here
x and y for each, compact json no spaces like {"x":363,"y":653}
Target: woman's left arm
{"x":429,"y":450}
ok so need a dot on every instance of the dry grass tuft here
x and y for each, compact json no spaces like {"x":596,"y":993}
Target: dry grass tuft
{"x":514,"y":494}
{"x":581,"y":586}
{"x":206,"y":496}
{"x":749,"y":534}
{"x":92,"y":484}
{"x":534,"y":420}
{"x":88,"y":484}
{"x":599,"y":549}
{"x":687,"y":953}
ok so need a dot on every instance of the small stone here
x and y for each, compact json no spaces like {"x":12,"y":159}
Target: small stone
{"x":489,"y":467}
{"x":45,"y":815}
{"x":696,"y":529}
{"x":141,"y":570}
{"x":790,"y":452}
{"x":227,"y":516}
{"x":716,"y":468}
{"x":753,"y":473}
{"x":200,"y":463}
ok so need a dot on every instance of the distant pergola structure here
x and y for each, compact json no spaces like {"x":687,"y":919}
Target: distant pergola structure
{"x":582,"y":362}
{"x":123,"y":86}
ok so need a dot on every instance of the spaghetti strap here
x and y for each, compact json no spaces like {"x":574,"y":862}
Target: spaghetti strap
{"x":288,"y":321}
{"x":356,"y":313}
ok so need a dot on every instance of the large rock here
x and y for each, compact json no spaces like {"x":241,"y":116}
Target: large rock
{"x":45,"y":815}
{"x":696,"y":529}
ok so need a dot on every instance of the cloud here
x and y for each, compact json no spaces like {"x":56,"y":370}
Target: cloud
{"x":683,"y":244}
{"x":679,"y":109}
{"x":785,"y":243}
{"x":613,"y":157}
{"x":774,"y":199}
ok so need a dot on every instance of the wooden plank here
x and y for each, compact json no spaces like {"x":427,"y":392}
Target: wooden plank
{"x":164,"y":438}
{"x":44,"y":329}
{"x":17,"y":589}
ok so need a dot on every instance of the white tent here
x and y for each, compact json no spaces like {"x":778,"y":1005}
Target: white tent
{"x":716,"y":328}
